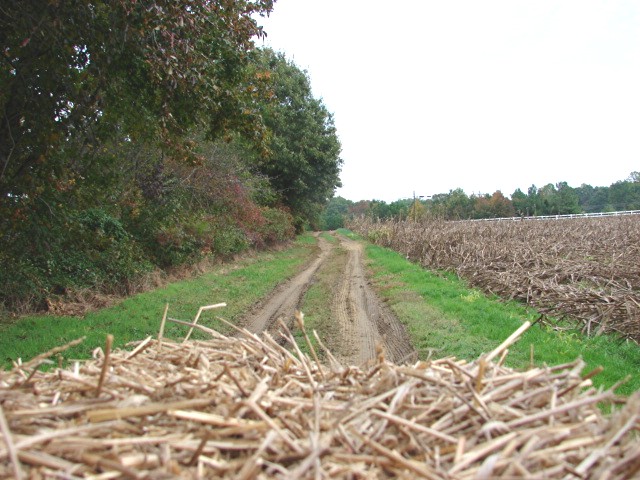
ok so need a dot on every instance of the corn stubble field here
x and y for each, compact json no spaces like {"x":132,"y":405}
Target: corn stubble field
{"x":584,"y":271}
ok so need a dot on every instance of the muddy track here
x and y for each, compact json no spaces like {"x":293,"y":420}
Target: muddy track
{"x":364,"y":321}
{"x":362,"y":324}
{"x":286,"y":298}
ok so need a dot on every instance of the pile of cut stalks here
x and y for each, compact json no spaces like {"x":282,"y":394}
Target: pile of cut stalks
{"x":245,"y":406}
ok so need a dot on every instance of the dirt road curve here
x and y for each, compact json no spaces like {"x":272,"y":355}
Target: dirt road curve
{"x":361,"y":323}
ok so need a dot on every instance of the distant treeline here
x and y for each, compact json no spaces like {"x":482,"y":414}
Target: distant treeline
{"x":558,"y":199}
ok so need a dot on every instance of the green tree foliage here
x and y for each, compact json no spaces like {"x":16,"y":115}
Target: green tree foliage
{"x":110,"y":163}
{"x":400,"y":208}
{"x":379,"y":209}
{"x":186,"y":210}
{"x":567,"y":199}
{"x":303,"y":163}
{"x":455,"y":205}
{"x":622,"y":195}
{"x":335,"y":213}
{"x":625,"y":195}
{"x":594,"y":199}
{"x":534,"y":202}
{"x":558,"y":199}
{"x":94,"y":70}
{"x":520,"y":203}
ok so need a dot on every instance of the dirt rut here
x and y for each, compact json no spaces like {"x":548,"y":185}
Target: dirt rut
{"x":365,"y":323}
{"x":286,"y":298}
{"x":361,"y":322}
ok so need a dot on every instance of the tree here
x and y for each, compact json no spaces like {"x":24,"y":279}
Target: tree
{"x":625,"y":195}
{"x":520,"y":202}
{"x":400,"y":209}
{"x":95,"y":70}
{"x":360,"y":208}
{"x":493,"y":206}
{"x":378,"y":209}
{"x":459,"y":206}
{"x":335,"y":213}
{"x":567,"y":200}
{"x":593,"y":199}
{"x":99,"y":101}
{"x":534,"y":201}
{"x":455,"y":205}
{"x":303,"y":162}
{"x":546,"y":200}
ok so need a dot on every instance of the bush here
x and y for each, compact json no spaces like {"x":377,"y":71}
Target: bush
{"x":278,"y":226}
{"x":88,"y":249}
{"x":22,"y":282}
{"x":228,"y":239}
{"x":58,"y":250}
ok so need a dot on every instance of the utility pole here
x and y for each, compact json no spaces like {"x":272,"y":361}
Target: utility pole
{"x":414,"y":205}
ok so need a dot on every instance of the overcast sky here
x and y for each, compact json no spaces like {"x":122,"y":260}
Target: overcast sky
{"x":483,"y":95}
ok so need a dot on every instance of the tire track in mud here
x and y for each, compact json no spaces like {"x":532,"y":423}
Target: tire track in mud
{"x":363,"y":319}
{"x":356,"y":338}
{"x":361,"y":322}
{"x":286,"y":298}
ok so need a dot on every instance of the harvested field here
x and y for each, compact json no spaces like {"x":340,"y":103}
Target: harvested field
{"x":246,"y":407}
{"x":585,"y":270}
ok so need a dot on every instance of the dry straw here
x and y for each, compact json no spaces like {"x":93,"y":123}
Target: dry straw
{"x":581,"y":270}
{"x":247,"y":407}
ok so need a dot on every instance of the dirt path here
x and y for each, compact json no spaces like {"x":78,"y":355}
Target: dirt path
{"x":286,"y":298}
{"x":361,"y":322}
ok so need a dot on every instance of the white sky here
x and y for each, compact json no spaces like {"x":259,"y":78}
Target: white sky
{"x":483,"y":95}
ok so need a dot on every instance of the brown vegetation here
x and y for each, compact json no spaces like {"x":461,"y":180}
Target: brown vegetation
{"x":584,"y":270}
{"x":247,"y":407}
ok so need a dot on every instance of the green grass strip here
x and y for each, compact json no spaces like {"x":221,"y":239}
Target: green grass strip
{"x":318,"y":299}
{"x":239,"y":285}
{"x":446,"y":317}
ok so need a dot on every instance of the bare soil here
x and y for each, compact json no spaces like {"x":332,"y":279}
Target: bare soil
{"x":362,"y":326}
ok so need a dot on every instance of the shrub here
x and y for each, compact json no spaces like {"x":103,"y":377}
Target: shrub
{"x":87,"y":249}
{"x":278,"y":226}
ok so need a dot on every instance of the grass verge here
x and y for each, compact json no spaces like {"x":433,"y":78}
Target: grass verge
{"x":317,"y":300}
{"x":239,"y":285}
{"x":445,"y":317}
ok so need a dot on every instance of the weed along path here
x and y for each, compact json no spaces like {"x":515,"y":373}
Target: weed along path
{"x":361,"y":326}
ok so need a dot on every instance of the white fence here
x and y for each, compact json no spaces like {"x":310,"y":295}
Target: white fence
{"x":559,"y":217}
